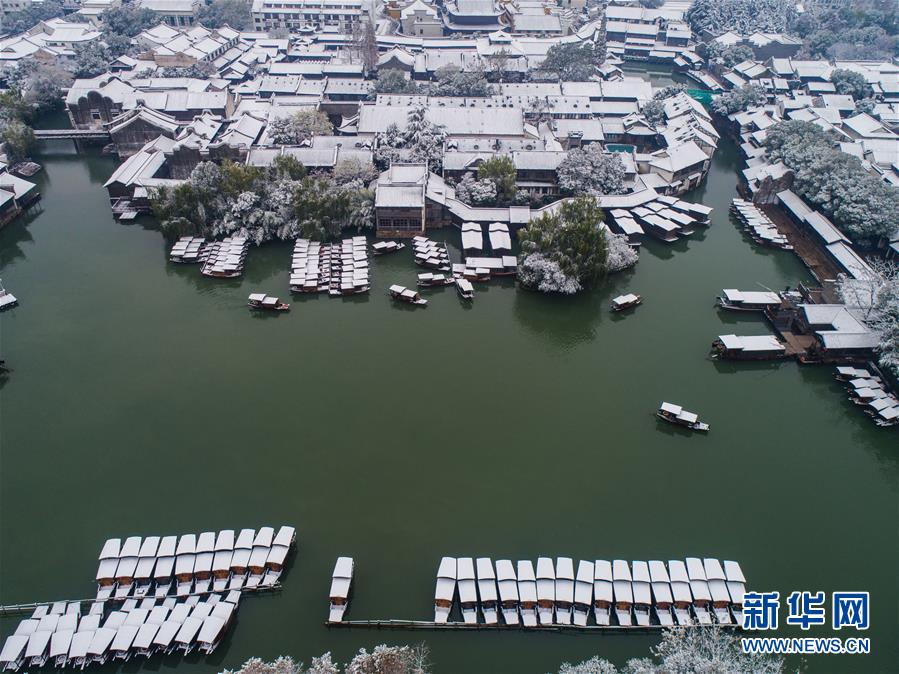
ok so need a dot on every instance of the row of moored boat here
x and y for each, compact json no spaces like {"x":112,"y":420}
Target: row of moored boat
{"x":869,"y":391}
{"x":60,"y":635}
{"x":190,"y":250}
{"x":226,"y":258}
{"x":337,"y":268}
{"x":758,"y":225}
{"x":695,"y":591}
{"x":191,"y":563}
{"x":666,"y":218}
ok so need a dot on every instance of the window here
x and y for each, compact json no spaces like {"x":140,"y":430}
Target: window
{"x":95,"y":114}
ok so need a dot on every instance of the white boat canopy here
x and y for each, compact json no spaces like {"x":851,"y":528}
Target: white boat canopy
{"x":505,"y":570}
{"x":620,"y":570}
{"x":100,"y":642}
{"x":131,"y":547}
{"x":206,"y":542}
{"x":167,"y":546}
{"x":38,"y":644}
{"x":245,"y":539}
{"x":285,"y":536}
{"x":111,"y":549}
{"x":81,"y":641}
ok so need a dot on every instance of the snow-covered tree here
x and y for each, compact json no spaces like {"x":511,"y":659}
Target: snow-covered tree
{"x":572,"y":238}
{"x":864,"y":207}
{"x":741,"y":16}
{"x":688,"y":651}
{"x":475,"y":192}
{"x":590,"y":170}
{"x":393,"y":81}
{"x":572,"y":61}
{"x":728,"y":55}
{"x":736,"y":100}
{"x":390,"y":660}
{"x":851,"y":83}
{"x":353,"y":173}
{"x":299,"y":127}
{"x":39,"y":84}
{"x":281,"y":665}
{"x":621,"y":254}
{"x":538,"y":272}
{"x":453,"y":81}
{"x":876,"y":299}
{"x":594,"y":665}
{"x":654,"y":112}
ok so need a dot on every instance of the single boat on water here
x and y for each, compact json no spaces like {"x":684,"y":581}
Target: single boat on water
{"x":261,"y":301}
{"x":676,"y":414}
{"x":7,"y":299}
{"x":384,"y":247}
{"x":405,"y":295}
{"x":431,"y":280}
{"x":341,"y":580}
{"x":466,"y":290}
{"x":742,"y":300}
{"x":628,"y":301}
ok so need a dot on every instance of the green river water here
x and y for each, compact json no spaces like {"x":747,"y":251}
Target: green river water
{"x":146,"y":399}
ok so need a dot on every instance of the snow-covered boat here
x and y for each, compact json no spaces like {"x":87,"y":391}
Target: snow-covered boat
{"x":124,"y":574}
{"x":341,"y":580}
{"x":7,"y":299}
{"x":602,"y":592}
{"x":736,"y":588}
{"x":661,"y":593}
{"x":185,"y":556}
{"x":445,"y":591}
{"x":699,"y":587}
{"x":465,"y":289}
{"x":546,"y":590}
{"x":507,"y":583}
{"x":718,"y":589}
{"x":109,"y":562}
{"x":628,"y":301}
{"x":743,"y":300}
{"x":642,"y":595}
{"x":564,"y":589}
{"x":624,"y":594}
{"x":675,"y":414}
{"x":384,"y":247}
{"x":527,"y":593}
{"x":240,"y":560}
{"x":262,"y":545}
{"x":468,"y":593}
{"x":487,"y":590}
{"x":405,"y":295}
{"x":680,"y":591}
{"x":583,"y":592}
{"x":146,"y":561}
{"x":431,"y":280}
{"x":221,"y":561}
{"x":163,"y":570}
{"x":277,"y":556}
{"x":263,"y":302}
{"x":203,"y":562}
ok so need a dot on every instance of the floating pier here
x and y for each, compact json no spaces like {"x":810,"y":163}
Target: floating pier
{"x":615,"y":595}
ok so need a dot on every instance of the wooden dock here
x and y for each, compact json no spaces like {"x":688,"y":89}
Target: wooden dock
{"x":480,"y":627}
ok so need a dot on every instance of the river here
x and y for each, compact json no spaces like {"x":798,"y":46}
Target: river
{"x":146,"y":399}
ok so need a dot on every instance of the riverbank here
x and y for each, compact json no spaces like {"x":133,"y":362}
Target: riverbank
{"x":145,"y":397}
